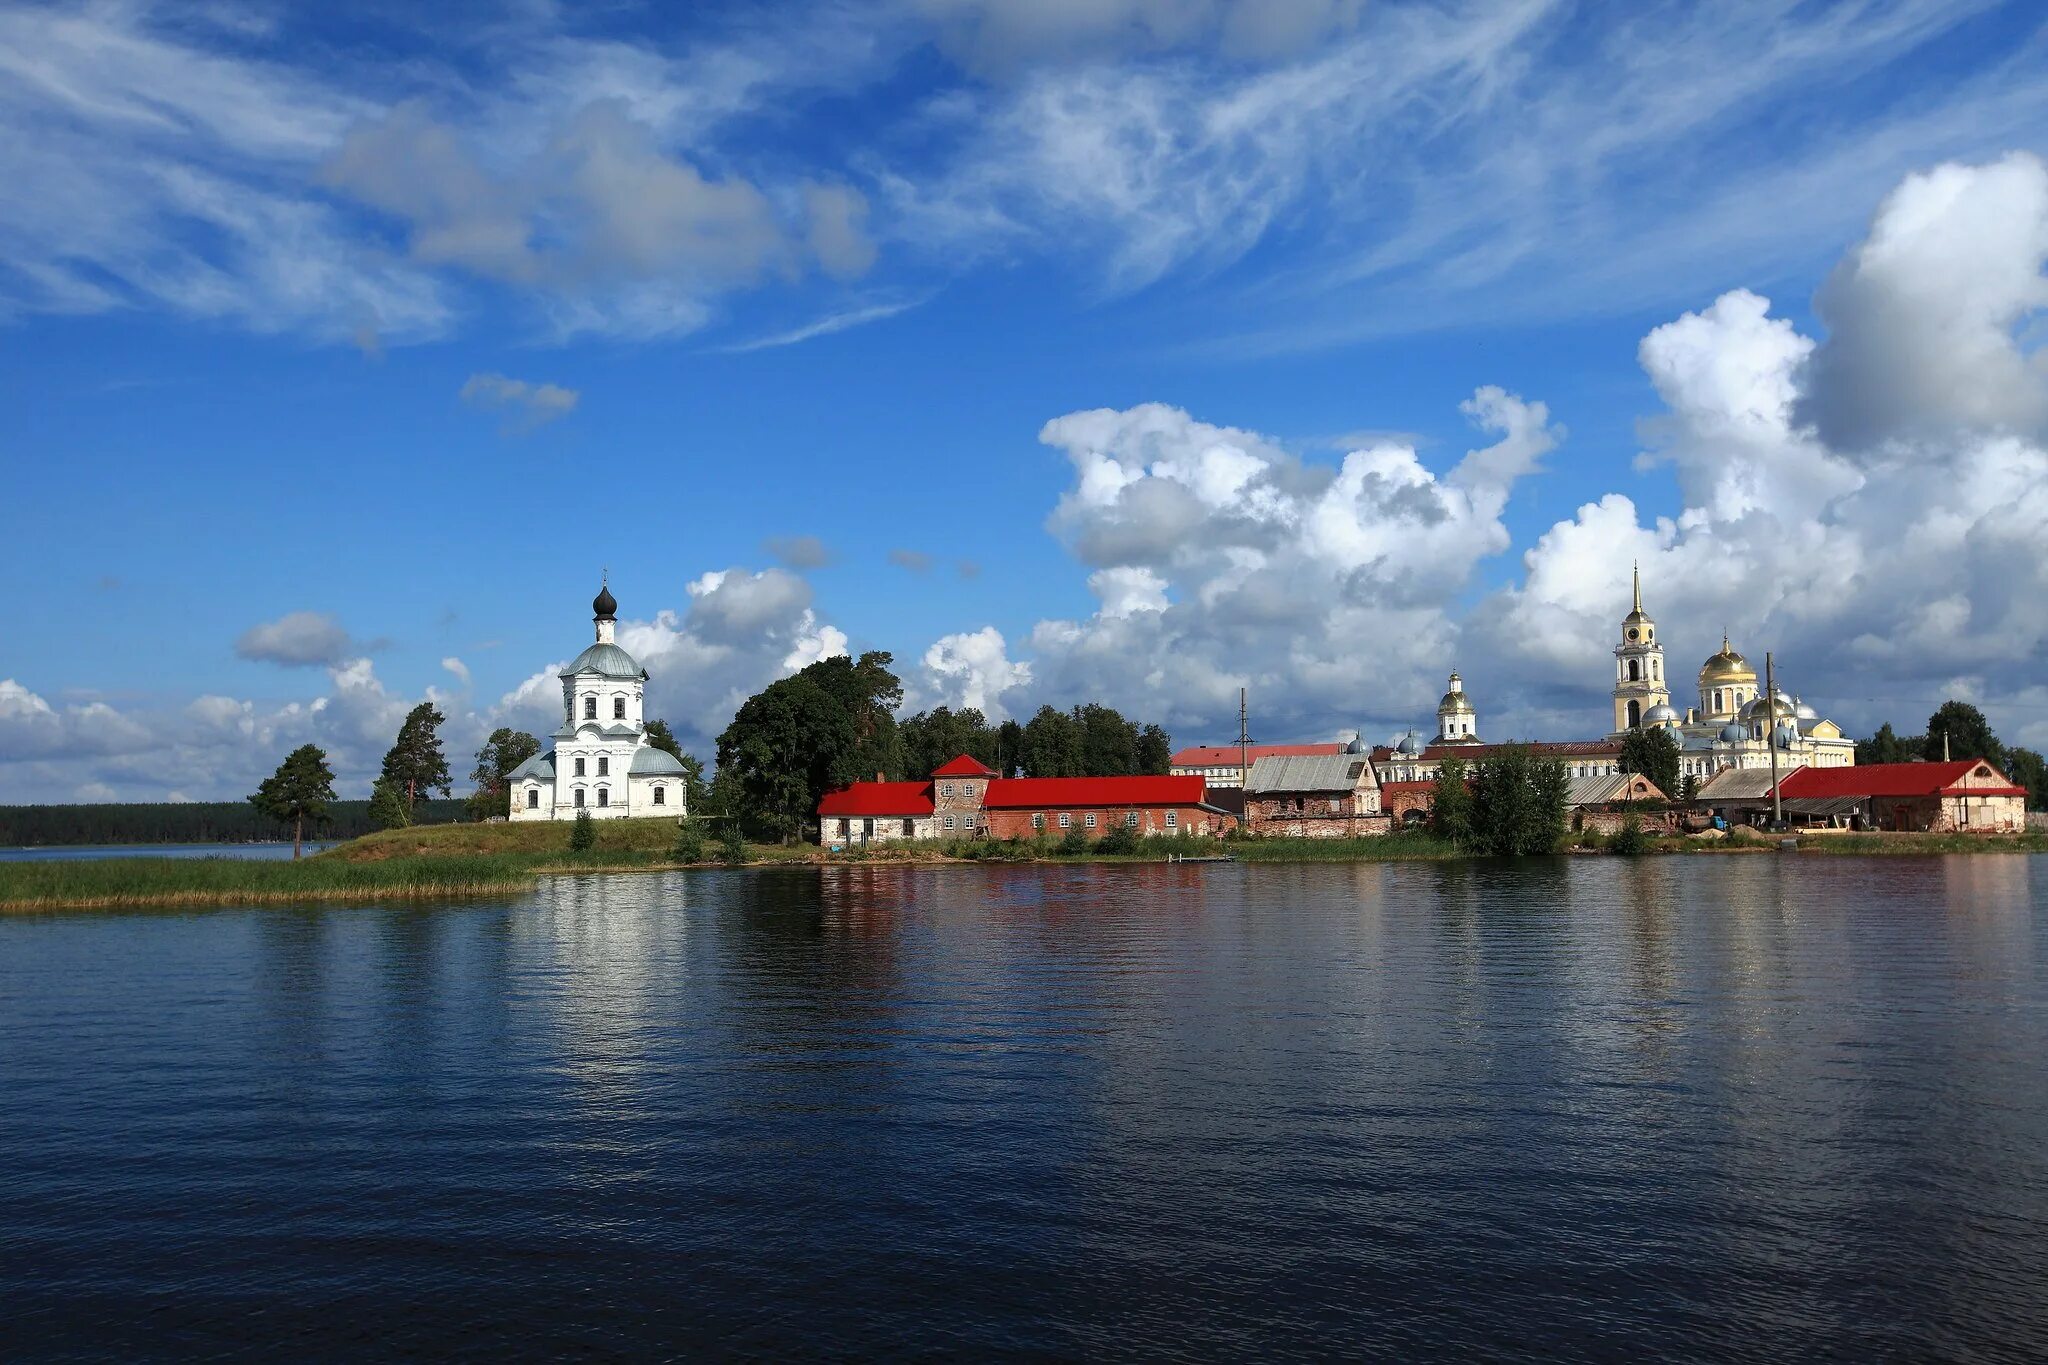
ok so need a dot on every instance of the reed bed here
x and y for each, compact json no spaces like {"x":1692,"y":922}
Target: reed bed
{"x":86,"y":883}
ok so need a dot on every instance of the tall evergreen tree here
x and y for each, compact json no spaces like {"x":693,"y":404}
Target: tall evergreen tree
{"x":505,"y":750}
{"x":298,"y":791}
{"x":1961,"y":731}
{"x":415,"y":764}
{"x":387,"y":806}
{"x":1155,"y":751}
{"x":1654,"y":754}
{"x":1450,"y":807}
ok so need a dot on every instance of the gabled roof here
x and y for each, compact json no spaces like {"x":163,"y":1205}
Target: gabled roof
{"x":1320,"y":773}
{"x":1739,"y":784}
{"x":1047,"y":793}
{"x":1599,"y":791}
{"x":879,"y":798}
{"x":1228,"y":755}
{"x":965,"y":766}
{"x":1898,"y":779}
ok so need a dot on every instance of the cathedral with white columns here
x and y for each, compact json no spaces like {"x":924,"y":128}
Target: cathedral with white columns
{"x":600,"y":761}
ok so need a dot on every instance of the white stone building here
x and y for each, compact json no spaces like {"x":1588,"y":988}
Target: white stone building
{"x":601,"y":761}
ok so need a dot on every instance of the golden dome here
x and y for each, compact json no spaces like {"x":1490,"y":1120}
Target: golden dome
{"x":1725,"y":668}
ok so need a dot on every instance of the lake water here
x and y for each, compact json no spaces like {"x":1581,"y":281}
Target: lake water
{"x":87,"y":851}
{"x":1741,"y":1108}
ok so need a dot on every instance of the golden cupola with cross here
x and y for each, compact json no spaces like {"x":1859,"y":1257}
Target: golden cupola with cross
{"x":1639,"y":685}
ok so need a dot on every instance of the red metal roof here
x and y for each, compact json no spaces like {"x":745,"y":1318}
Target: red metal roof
{"x":965,"y":766}
{"x":1051,"y":793}
{"x":1893,"y":779}
{"x":1229,"y":755}
{"x":879,"y":798}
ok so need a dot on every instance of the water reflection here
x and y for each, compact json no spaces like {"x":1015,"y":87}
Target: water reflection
{"x":1739,"y":1107}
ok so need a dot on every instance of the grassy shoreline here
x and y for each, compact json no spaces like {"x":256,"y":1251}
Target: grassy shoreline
{"x":453,"y":861}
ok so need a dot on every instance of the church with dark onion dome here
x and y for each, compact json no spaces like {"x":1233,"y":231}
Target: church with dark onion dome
{"x":600,"y":760}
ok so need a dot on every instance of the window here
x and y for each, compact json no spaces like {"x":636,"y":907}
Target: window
{"x":1170,"y":820}
{"x":579,"y":798}
{"x":844,"y":829}
{"x":661,"y":796}
{"x":1066,"y":820}
{"x":1130,"y":819}
{"x":1089,"y":820}
{"x":1336,"y":805}
{"x":1634,"y":671}
{"x":945,"y":789}
{"x":579,"y":767}
{"x":949,"y":822}
{"x":909,"y":828}
{"x":604,"y":796}
{"x":533,"y":798}
{"x":1038,"y":820}
{"x":604,"y":765}
{"x":867,"y":828}
{"x":590,"y":708}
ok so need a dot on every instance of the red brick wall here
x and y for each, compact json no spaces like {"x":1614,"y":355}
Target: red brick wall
{"x":1016,"y":824}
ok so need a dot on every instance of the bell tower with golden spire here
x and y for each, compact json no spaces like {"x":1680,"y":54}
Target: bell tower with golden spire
{"x":1638,"y":666}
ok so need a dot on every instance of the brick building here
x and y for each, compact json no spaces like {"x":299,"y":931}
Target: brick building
{"x":1966,"y":796}
{"x":1326,"y":796}
{"x":966,"y":799}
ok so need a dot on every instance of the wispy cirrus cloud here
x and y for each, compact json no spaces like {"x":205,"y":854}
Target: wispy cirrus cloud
{"x":525,"y":405}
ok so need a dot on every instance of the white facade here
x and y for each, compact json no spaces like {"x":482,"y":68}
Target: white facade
{"x":601,"y":761}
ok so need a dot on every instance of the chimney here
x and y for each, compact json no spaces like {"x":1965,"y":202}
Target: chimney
{"x":878,"y":777}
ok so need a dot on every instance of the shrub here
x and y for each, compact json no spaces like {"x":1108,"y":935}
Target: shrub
{"x":689,"y":842}
{"x":1121,"y":840}
{"x":1072,"y":844}
{"x":732,"y":845}
{"x":583,"y":837}
{"x":1630,"y":840}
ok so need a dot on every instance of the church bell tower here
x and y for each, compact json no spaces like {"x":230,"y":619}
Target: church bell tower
{"x":1638,"y":666}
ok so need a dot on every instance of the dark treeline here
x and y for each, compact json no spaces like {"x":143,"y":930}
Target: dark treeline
{"x":188,"y":822}
{"x":1959,"y":730}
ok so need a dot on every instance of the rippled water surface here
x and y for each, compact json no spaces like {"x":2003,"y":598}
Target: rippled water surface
{"x":1758,"y":1108}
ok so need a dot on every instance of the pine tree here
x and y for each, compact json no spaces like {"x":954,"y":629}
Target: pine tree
{"x":387,"y":806}
{"x":297,"y":792}
{"x":415,"y":765}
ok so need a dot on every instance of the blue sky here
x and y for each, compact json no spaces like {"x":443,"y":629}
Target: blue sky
{"x":343,"y":353}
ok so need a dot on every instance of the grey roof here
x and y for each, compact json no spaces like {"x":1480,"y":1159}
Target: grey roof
{"x":541,"y":766}
{"x":607,"y":660}
{"x":650,"y":761}
{"x":1741,"y":784}
{"x":1598,"y":791}
{"x":609,"y":729}
{"x":1309,"y":773}
{"x":1696,"y":743}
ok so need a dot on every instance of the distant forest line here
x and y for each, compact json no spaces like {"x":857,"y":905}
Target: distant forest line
{"x":189,"y":822}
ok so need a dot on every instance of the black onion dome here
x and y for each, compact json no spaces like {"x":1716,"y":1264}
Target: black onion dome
{"x":604,"y":604}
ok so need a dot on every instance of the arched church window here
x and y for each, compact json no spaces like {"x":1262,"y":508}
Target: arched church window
{"x":618,"y":708}
{"x":604,"y":796}
{"x":604,"y":765}
{"x":1635,"y":714}
{"x":533,"y":798}
{"x":590,"y":708}
{"x":1717,"y":701}
{"x":579,"y":767}
{"x":579,"y":798}
{"x":1634,"y":674}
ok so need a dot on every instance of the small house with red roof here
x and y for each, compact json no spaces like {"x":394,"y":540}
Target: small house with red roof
{"x":967,"y":799}
{"x":1965,"y":796}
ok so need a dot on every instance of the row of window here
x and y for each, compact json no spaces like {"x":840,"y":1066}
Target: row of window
{"x":590,"y":708}
{"x":604,"y":766}
{"x":604,"y":794}
{"x":1636,"y":674}
{"x":1088,"y":820}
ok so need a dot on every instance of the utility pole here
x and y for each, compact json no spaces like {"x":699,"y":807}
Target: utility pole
{"x":1771,"y":741}
{"x":1244,"y":742}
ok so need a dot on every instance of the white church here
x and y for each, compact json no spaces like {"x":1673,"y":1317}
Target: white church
{"x":601,"y":761}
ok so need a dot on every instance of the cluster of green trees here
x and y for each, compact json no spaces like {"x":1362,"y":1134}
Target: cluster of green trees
{"x":1510,"y":805}
{"x":1959,"y":730}
{"x":187,"y":822}
{"x":1654,"y":754}
{"x":834,"y":722}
